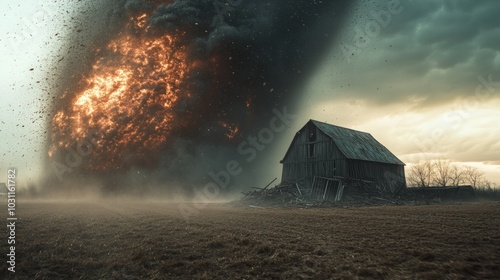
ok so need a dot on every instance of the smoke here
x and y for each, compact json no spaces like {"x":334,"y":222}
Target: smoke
{"x":247,"y":59}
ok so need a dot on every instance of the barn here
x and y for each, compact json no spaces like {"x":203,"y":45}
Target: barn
{"x":321,"y":154}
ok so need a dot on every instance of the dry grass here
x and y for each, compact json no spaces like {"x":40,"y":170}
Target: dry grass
{"x":153,"y":241}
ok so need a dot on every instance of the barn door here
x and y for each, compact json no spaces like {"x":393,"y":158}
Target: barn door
{"x":327,"y":189}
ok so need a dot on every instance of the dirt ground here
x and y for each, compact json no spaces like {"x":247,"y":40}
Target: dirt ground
{"x":126,"y":240}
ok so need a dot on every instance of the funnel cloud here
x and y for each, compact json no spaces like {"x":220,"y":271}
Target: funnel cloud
{"x":170,"y":91}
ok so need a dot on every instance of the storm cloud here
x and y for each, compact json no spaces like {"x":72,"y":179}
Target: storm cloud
{"x":432,"y":50}
{"x":424,"y":79}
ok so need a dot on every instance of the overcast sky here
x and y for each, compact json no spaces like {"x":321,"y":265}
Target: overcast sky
{"x":423,"y":77}
{"x":424,"y":81}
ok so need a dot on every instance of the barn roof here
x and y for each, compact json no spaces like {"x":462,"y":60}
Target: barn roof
{"x":357,"y":145}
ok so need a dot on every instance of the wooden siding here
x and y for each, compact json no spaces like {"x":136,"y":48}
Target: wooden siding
{"x":319,"y":156}
{"x":326,"y":160}
{"x":387,"y":176}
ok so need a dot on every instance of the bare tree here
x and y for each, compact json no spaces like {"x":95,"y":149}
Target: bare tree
{"x":473,"y":175}
{"x":457,"y":175}
{"x":445,"y":173}
{"x":487,"y":184}
{"x":421,"y":174}
{"x":441,"y":175}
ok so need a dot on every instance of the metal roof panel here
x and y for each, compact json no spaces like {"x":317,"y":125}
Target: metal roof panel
{"x":357,"y":144}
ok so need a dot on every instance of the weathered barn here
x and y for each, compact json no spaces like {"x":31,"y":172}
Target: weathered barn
{"x":321,"y":151}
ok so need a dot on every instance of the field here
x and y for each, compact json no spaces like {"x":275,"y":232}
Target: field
{"x":120,"y":240}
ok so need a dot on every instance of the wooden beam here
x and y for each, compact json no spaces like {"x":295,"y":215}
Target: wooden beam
{"x":248,"y":195}
{"x":326,"y":189}
{"x":270,"y":183}
{"x":297,"y":185}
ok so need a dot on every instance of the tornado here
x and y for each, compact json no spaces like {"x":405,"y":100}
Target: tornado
{"x":169,"y":91}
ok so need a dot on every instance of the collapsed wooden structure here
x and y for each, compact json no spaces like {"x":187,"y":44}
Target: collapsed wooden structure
{"x":337,"y":190}
{"x":349,"y":192}
{"x":326,"y":159}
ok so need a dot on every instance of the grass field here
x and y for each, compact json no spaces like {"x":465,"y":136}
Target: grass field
{"x":153,"y":241}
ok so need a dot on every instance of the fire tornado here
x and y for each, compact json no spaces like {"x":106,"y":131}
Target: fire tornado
{"x":179,"y":84}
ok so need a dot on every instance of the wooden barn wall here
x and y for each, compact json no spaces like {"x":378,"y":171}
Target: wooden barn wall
{"x":326,"y":159}
{"x":387,"y":176}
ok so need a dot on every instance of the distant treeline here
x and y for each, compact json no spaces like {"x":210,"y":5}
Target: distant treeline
{"x":445,"y":173}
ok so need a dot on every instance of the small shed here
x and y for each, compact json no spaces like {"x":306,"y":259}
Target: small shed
{"x":320,"y":151}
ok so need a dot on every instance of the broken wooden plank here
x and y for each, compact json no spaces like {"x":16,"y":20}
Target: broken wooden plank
{"x":270,"y":183}
{"x":248,"y":195}
{"x":379,"y":198}
{"x":297,"y":185}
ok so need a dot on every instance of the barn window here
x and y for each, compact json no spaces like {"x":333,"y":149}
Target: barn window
{"x":310,"y":153}
{"x":312,"y":134}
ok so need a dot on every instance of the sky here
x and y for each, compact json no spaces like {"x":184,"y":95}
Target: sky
{"x":423,"y":77}
{"x":28,"y":44}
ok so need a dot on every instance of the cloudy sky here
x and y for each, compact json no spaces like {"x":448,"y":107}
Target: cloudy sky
{"x":422,"y":76}
{"x":424,"y":79}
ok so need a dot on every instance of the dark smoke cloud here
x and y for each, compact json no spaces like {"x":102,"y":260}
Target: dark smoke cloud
{"x":264,"y":50}
{"x":247,"y":51}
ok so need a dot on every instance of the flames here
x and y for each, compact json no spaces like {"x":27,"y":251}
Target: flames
{"x":128,"y":97}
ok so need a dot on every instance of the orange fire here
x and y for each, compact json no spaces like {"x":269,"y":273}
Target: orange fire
{"x":130,"y":92}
